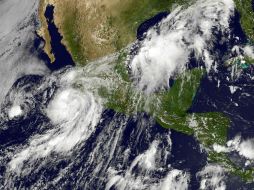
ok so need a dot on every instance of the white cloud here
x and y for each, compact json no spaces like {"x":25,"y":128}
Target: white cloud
{"x":233,"y":89}
{"x":147,"y":164}
{"x":219,"y":148}
{"x":75,"y":115}
{"x":249,"y":51}
{"x":15,"y":111}
{"x":212,"y":177}
{"x":246,"y":149}
{"x":165,"y":53}
{"x":16,"y":38}
{"x":175,"y":180}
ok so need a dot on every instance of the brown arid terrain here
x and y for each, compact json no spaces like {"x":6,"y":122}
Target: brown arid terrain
{"x":43,"y":31}
{"x":94,"y":28}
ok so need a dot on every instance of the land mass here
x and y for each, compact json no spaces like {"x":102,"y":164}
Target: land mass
{"x":93,"y":29}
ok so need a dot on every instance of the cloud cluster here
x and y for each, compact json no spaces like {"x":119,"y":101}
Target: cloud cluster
{"x":15,"y":111}
{"x":16,"y":40}
{"x":146,"y":163}
{"x":167,"y":47}
{"x":244,"y":147}
{"x":74,"y":114}
{"x":212,"y":177}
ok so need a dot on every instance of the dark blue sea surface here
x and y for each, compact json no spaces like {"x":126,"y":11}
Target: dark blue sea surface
{"x":211,"y":98}
{"x":139,"y":132}
{"x":237,"y":106}
{"x":145,"y":26}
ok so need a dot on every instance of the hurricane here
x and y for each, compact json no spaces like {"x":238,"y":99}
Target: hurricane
{"x":98,"y":127}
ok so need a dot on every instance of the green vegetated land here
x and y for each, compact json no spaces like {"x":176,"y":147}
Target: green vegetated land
{"x":135,"y":13}
{"x":168,"y":107}
{"x":244,"y":7}
{"x":170,"y":110}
